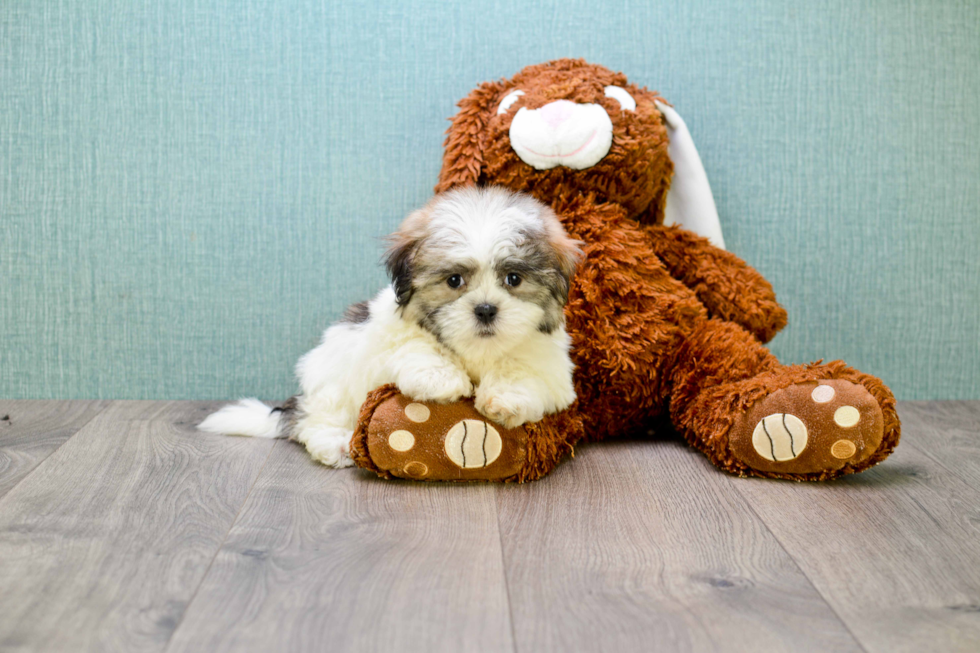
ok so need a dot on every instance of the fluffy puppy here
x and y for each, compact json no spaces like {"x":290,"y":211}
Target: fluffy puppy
{"x":479,"y":279}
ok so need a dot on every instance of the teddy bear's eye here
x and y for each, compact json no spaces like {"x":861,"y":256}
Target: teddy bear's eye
{"x":509,"y":101}
{"x":625,"y":100}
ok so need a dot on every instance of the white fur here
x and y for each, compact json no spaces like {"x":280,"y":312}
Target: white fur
{"x":518,"y":373}
{"x":561,"y":133}
{"x":247,"y":417}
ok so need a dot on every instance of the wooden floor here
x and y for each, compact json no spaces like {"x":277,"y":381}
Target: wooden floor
{"x":124,"y":529}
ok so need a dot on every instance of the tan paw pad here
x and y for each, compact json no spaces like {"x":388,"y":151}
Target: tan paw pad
{"x":843,"y":449}
{"x":401,"y":440}
{"x":473,"y":443}
{"x":780,"y":436}
{"x":418,"y":413}
{"x":822,"y":394}
{"x":416,"y":469}
{"x":847,"y":416}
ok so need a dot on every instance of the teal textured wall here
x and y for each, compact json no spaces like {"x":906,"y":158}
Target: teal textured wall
{"x":190,"y":191}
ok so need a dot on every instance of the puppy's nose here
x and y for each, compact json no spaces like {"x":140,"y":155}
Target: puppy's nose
{"x":485,"y":312}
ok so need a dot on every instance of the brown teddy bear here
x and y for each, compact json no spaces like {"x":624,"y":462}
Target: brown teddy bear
{"x":666,"y":327}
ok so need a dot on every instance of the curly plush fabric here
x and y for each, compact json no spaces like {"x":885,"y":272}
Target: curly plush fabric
{"x":665,"y":326}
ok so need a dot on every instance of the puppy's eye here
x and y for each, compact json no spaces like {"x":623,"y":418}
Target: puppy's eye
{"x":626,"y":101}
{"x":455,"y":281}
{"x":513,"y":280}
{"x":509,"y":101}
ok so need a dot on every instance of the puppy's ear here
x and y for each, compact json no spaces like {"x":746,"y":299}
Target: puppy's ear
{"x":462,"y":160}
{"x":568,"y":251}
{"x":400,"y":257}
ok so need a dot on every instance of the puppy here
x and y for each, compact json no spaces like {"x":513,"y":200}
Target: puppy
{"x":479,"y":279}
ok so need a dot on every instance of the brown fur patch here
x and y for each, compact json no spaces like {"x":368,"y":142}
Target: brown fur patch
{"x":400,"y":257}
{"x":358,"y":313}
{"x":287,"y":419}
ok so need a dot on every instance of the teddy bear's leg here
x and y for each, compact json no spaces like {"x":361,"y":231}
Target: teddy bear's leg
{"x":733,"y":400}
{"x":398,"y":437}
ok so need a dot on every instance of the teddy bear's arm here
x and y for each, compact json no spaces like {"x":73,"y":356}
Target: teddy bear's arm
{"x":725,"y":284}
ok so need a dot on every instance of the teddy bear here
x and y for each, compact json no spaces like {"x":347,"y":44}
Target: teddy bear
{"x":668,"y":329}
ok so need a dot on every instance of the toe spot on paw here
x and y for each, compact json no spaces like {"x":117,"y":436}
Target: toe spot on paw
{"x":418,"y":413}
{"x":416,"y":469}
{"x":843,"y":449}
{"x":822,"y":394}
{"x":401,"y":440}
{"x":473,"y":443}
{"x":847,"y":416}
{"x":779,"y":437}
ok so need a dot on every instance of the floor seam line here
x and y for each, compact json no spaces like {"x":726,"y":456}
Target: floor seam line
{"x":503,"y":566}
{"x":220,"y":546}
{"x":56,"y":449}
{"x":796,"y":564}
{"x":938,"y":461}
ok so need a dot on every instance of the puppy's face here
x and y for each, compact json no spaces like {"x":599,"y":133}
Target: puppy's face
{"x":482,"y":268}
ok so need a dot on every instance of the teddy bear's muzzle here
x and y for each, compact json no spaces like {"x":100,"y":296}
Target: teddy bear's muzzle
{"x":561,"y":133}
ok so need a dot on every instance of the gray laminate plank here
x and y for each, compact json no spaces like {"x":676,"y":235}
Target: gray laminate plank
{"x":948,"y":432}
{"x":638,"y":546}
{"x":339,"y":560}
{"x":31,"y":429}
{"x":895,"y":550}
{"x":103,"y":545}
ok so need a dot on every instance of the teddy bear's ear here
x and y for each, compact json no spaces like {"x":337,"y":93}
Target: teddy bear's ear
{"x":690,"y":203}
{"x":462,"y":160}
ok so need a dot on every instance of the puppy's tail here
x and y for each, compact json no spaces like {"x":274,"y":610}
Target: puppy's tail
{"x":250,"y":417}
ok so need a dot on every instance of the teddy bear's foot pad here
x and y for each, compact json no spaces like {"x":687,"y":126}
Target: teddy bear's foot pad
{"x":809,"y":428}
{"x":442,"y":442}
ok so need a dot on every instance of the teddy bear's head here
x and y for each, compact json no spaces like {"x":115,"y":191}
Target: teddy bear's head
{"x":559,"y":129}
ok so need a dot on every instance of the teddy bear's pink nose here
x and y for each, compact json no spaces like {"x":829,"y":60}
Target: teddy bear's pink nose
{"x":555,"y":113}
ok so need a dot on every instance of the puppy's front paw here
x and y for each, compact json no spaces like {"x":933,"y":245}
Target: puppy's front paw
{"x":509,"y":407}
{"x":330,"y":447}
{"x":439,"y":384}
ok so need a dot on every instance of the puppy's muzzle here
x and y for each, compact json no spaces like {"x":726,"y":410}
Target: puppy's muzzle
{"x":485,"y":313}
